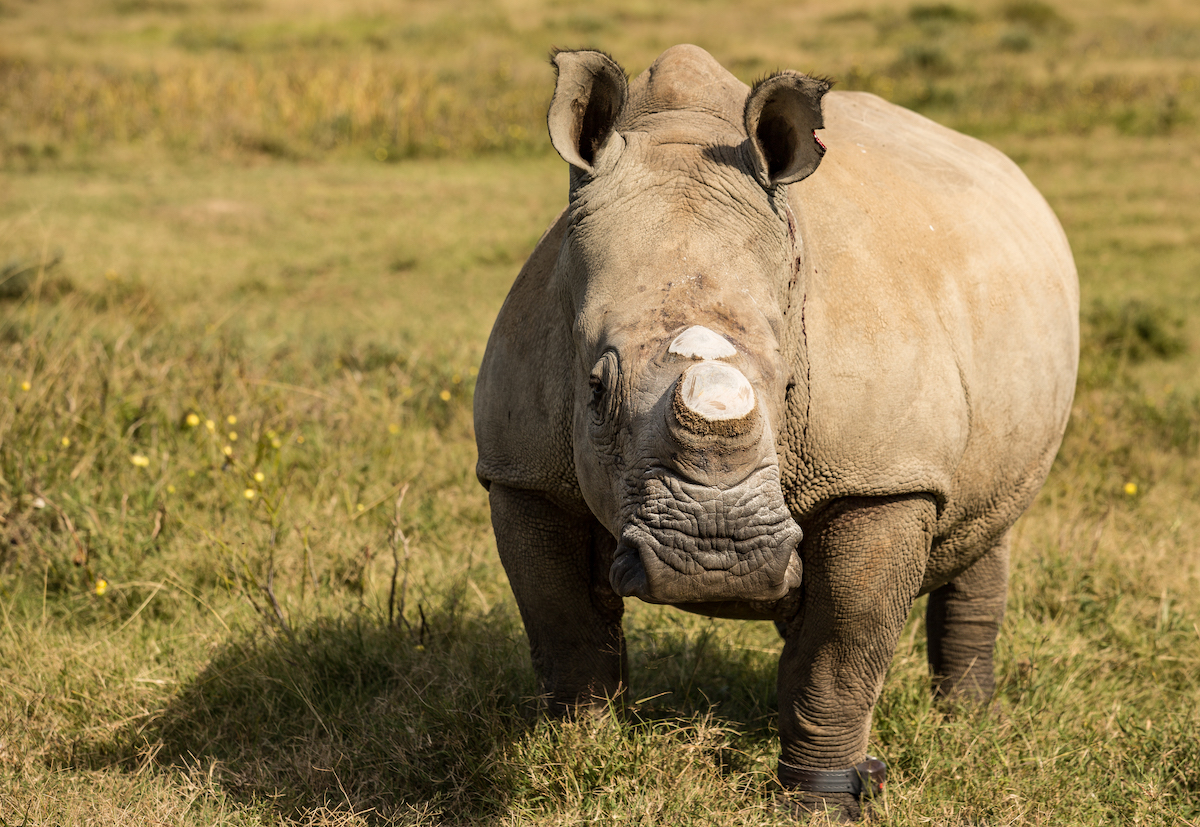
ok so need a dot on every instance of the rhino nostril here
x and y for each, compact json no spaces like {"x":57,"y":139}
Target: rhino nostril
{"x":627,"y":575}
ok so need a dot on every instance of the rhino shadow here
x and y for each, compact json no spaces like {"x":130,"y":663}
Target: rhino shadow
{"x":349,"y":714}
{"x":690,"y":669}
{"x":396,"y":722}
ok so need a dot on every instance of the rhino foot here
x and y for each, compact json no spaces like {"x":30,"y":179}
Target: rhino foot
{"x":839,"y":808}
{"x":839,"y":793}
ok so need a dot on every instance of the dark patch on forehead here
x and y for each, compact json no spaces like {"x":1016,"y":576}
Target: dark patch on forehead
{"x":727,"y":155}
{"x":697,"y":155}
{"x":703,"y":180}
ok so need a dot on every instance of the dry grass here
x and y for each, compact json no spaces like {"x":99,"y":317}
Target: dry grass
{"x":465,"y":78}
{"x":194,"y":220}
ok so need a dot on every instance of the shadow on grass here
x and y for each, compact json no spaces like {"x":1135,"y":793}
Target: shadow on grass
{"x":348,"y":714}
{"x":686,"y":670}
{"x":434,"y":724}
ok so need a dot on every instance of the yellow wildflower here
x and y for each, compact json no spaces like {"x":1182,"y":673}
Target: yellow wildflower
{"x":1131,"y":489}
{"x":140,"y":460}
{"x":259,"y":476}
{"x":208,"y":423}
{"x":192,"y":420}
{"x":25,"y":386}
{"x":248,"y":493}
{"x":393,"y":428}
{"x":231,"y":419}
{"x":66,"y":442}
{"x":170,"y":489}
{"x":233,"y":436}
{"x":445,"y":395}
{"x":300,"y":439}
{"x":101,"y":586}
{"x":276,"y":443}
{"x":227,"y":450}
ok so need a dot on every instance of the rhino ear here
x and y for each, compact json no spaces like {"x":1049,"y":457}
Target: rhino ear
{"x":782,"y":115}
{"x":588,"y":100}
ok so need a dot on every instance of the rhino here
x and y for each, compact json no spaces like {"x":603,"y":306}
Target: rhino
{"x":787,"y":355}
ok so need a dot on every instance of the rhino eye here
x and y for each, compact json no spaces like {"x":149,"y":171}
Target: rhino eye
{"x":602,"y":381}
{"x":598,"y":391}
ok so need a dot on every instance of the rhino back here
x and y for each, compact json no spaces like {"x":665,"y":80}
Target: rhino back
{"x":940,"y":322}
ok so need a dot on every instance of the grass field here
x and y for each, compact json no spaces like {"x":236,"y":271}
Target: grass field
{"x":250,"y":252}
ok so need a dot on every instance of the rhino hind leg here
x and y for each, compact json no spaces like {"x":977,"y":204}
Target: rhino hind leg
{"x":557,"y":565}
{"x":962,"y":620}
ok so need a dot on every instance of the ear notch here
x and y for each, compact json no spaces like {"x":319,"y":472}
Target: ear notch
{"x":588,"y":99}
{"x":781,"y":117}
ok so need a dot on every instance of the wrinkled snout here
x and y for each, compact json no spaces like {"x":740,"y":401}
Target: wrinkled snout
{"x":689,"y":543}
{"x":710,"y":522}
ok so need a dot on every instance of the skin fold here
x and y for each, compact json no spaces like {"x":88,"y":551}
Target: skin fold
{"x":786,"y":355}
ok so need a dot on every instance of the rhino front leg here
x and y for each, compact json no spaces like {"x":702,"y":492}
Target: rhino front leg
{"x":557,"y":564}
{"x":962,"y":621}
{"x":863,"y":566}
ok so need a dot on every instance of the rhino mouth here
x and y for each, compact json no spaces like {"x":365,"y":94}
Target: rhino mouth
{"x":690,"y":543}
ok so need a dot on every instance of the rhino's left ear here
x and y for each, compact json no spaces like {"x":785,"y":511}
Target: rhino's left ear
{"x":782,"y":115}
{"x":588,"y":99}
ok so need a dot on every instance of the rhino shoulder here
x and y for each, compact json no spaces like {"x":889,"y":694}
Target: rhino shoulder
{"x":941,"y":313}
{"x":523,"y":397}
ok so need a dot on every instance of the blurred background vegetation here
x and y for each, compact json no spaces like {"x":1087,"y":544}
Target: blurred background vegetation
{"x":438,"y":79}
{"x":250,"y":252}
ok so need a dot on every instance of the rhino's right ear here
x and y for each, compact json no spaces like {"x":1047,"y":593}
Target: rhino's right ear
{"x":782,"y":115}
{"x":588,"y":100}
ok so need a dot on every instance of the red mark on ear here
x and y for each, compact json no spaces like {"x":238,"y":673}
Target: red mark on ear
{"x":818,"y":140}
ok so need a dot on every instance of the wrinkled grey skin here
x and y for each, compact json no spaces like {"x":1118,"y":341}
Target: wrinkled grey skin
{"x":905,"y":309}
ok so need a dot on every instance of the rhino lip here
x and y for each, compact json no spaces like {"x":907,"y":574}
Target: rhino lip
{"x":628,"y":578}
{"x":686,"y":542}
{"x":627,"y":575}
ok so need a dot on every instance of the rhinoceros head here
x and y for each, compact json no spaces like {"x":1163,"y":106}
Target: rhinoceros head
{"x":675,"y":267}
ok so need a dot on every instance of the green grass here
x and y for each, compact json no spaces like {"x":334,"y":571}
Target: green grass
{"x":304,"y":216}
